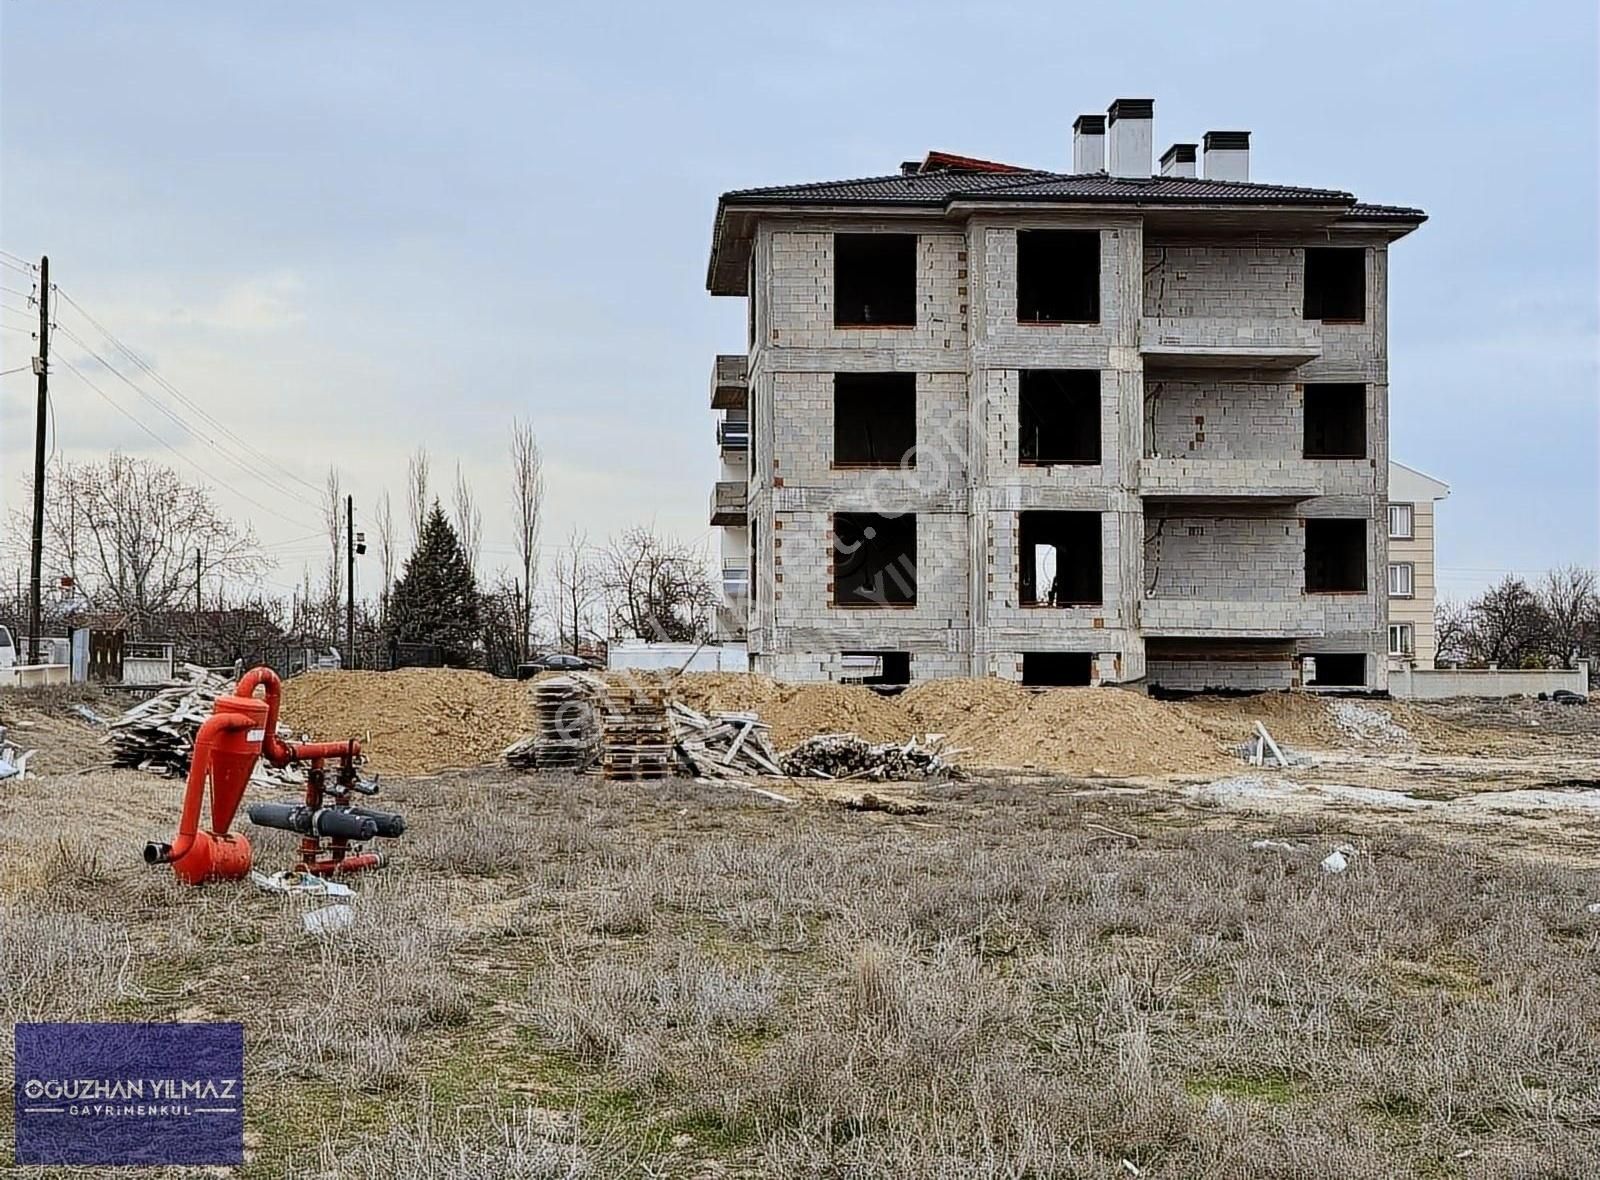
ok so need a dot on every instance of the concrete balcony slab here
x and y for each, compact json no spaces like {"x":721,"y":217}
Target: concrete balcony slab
{"x":1282,"y":480}
{"x":1193,"y":618}
{"x":1208,"y":342}
{"x":730,"y":382}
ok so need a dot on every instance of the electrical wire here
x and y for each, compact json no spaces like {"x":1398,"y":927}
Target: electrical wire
{"x":205,"y":415}
{"x":73,"y":369}
{"x":183,"y":424}
{"x":18,"y":369}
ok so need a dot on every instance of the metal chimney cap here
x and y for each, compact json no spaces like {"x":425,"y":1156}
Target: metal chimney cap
{"x":1132,"y":108}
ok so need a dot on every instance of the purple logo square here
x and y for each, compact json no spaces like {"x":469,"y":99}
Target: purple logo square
{"x":130,"y":1094}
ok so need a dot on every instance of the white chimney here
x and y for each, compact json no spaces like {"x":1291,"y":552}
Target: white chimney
{"x":1131,"y":126}
{"x":1178,"y":160}
{"x":1089,"y":144}
{"x":1227,"y":155}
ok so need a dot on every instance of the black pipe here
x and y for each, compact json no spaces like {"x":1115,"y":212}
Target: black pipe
{"x":157,"y":854}
{"x":323,"y":821}
{"x":389,"y":823}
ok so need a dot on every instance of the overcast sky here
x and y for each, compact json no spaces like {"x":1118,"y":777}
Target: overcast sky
{"x":347,"y":229}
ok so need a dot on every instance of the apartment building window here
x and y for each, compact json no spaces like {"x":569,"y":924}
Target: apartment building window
{"x":1059,"y":559}
{"x":1339,"y":670}
{"x":1336,"y":556}
{"x":1402,"y":576}
{"x":1336,"y":421}
{"x":1336,"y":284}
{"x":1401,"y":522}
{"x":875,"y":280}
{"x":874,"y":560}
{"x":1059,"y":416}
{"x":1057,"y":668}
{"x":874,"y":419}
{"x":1402,"y":639}
{"x":1058,"y":276}
{"x":876,"y":667}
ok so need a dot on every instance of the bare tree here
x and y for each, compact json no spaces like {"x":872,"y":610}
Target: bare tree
{"x":657,"y":589}
{"x":130,"y":533}
{"x":468,"y":520}
{"x":1568,"y":599}
{"x":527,"y":506}
{"x":1452,"y":633}
{"x":333,"y":521}
{"x":417,"y":501}
{"x":575,"y":590}
{"x":1508,"y":625}
{"x":387,"y":557}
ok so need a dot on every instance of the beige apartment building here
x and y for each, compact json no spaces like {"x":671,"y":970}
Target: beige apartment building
{"x":1412,"y":583}
{"x":1122,"y":423}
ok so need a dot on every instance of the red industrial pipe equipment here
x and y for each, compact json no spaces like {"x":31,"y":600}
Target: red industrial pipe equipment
{"x":242,"y":728}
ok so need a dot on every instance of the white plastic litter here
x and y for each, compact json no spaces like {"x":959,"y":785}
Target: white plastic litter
{"x":1276,"y":846}
{"x":1335,"y":862}
{"x":328,"y":919}
{"x":309,"y":883}
{"x":1593,"y":907}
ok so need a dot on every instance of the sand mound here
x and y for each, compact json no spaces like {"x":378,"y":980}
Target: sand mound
{"x":411,"y":721}
{"x":1072,"y":730}
{"x":996,"y":722}
{"x":797,"y":711}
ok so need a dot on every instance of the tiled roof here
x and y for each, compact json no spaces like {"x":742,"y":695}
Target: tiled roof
{"x":945,"y":179}
{"x":939,"y":188}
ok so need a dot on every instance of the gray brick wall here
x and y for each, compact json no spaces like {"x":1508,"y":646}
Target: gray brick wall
{"x":967,"y":351}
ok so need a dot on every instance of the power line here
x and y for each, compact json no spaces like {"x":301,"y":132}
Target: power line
{"x":73,"y":369}
{"x":180,"y":422}
{"x":179,"y":394}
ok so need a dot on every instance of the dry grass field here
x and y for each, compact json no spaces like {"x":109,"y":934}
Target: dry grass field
{"x":562,"y":977}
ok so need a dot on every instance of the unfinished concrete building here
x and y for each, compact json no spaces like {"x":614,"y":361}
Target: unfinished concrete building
{"x":1117,"y":424}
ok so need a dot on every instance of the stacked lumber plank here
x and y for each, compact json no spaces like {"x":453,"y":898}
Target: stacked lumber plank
{"x":635,"y":740}
{"x":567,"y":732}
{"x":846,"y":756}
{"x":722,"y":746}
{"x":157,"y":734}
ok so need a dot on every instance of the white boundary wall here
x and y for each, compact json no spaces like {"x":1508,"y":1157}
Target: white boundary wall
{"x":1437,"y":683}
{"x":669,"y":657}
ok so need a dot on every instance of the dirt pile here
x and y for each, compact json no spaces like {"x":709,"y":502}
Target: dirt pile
{"x":412,"y":721}
{"x":1073,"y":730}
{"x":996,"y":723}
{"x":797,"y":711}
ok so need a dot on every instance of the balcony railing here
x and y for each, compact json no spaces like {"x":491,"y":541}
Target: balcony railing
{"x":728,"y":503}
{"x":1228,"y":343}
{"x":735,"y":581}
{"x":730,"y":382}
{"x":1278,"y":618}
{"x":1228,"y":479}
{"x":733,"y":435}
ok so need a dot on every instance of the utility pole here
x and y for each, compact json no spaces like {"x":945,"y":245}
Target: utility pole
{"x":42,"y":368}
{"x":197,"y":602}
{"x":350,"y":579}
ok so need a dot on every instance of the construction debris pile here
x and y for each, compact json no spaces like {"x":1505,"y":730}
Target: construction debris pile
{"x":566,"y":729}
{"x":13,"y":761}
{"x":1369,"y":726}
{"x":723,"y":746}
{"x":846,"y":756}
{"x":635,"y":742}
{"x":158,"y":733}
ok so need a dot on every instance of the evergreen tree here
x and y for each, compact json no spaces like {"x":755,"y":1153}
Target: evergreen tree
{"x":436,"y":598}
